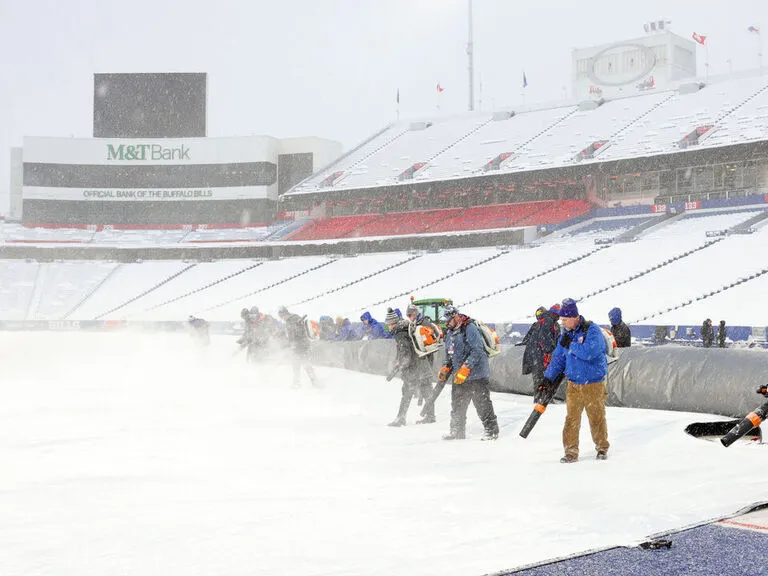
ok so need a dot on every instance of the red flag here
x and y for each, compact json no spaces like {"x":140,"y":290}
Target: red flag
{"x":440,"y":88}
{"x":699,"y":38}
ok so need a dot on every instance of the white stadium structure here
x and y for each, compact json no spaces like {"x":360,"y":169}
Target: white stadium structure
{"x":647,"y":194}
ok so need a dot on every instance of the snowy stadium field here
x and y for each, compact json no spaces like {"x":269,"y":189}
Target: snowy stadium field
{"x":139,"y":454}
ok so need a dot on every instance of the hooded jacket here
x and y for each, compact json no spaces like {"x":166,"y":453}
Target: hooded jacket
{"x":584,"y":361}
{"x":372,"y":329}
{"x":621,"y":332}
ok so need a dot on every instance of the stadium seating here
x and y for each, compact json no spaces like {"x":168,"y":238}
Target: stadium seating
{"x":397,"y":223}
{"x":337,"y":227}
{"x":443,"y":220}
{"x":645,"y":124}
{"x":556,"y":212}
{"x":490,"y":217}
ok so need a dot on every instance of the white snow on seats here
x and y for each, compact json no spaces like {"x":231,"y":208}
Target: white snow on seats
{"x":127,"y":282}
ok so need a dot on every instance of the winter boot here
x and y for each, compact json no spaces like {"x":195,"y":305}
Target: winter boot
{"x":490,"y":435}
{"x":602,"y":455}
{"x":397,"y":422}
{"x":569,"y":459}
{"x":455,"y":434}
{"x":426,"y":420}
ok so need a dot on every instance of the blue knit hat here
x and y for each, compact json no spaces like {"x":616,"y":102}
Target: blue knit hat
{"x":569,"y":309}
{"x":614,"y":316}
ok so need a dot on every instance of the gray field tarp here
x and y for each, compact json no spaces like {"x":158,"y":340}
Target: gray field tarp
{"x":708,"y":380}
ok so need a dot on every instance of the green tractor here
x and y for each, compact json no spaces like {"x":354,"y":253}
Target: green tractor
{"x":433,"y":308}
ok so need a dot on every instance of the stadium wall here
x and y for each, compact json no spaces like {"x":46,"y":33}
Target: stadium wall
{"x":510,"y":237}
{"x":149,"y":181}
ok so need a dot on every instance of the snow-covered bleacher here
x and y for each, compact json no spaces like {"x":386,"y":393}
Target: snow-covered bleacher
{"x":127,"y":282}
{"x":61,"y":286}
{"x":672,"y":271}
{"x":728,"y":111}
{"x":17,"y":283}
{"x":716,"y":105}
{"x":420,"y":143}
{"x":12,"y":233}
{"x":503,"y":135}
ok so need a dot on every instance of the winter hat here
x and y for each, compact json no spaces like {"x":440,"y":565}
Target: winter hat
{"x":391,"y":317}
{"x":555,"y":309}
{"x":569,"y":309}
{"x":366,"y":317}
{"x":399,"y":314}
{"x":412,"y":309}
{"x":540,"y":311}
{"x":614,"y":316}
{"x":283,"y":312}
{"x":449,"y":312}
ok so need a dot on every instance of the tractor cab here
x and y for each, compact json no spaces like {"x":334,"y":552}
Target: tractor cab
{"x":433,"y":308}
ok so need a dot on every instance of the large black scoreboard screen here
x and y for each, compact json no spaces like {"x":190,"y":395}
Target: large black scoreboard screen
{"x":150,"y":105}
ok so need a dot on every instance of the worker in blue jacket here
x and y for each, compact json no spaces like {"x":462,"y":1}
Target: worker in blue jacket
{"x":580,"y":354}
{"x":372,"y":329}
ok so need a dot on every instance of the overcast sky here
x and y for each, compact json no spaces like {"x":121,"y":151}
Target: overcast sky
{"x":327,"y":68}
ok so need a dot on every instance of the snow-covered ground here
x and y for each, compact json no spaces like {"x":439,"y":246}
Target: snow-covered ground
{"x":138,"y":454}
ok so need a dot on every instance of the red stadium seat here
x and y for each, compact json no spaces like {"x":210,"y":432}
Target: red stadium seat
{"x":337,"y":227}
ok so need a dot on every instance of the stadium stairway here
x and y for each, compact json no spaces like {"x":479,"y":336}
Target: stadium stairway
{"x":270,"y":286}
{"x":633,"y":233}
{"x":372,"y":151}
{"x":37,"y":291}
{"x":436,"y":280}
{"x":637,"y":275}
{"x":747,"y":226}
{"x":205,"y":287}
{"x":147,"y":291}
{"x":703,"y":296}
{"x":612,"y":138}
{"x":535,"y":277}
{"x":542,"y":133}
{"x":358,"y":280}
{"x":95,"y":289}
{"x":452,"y":144}
{"x":728,"y":113}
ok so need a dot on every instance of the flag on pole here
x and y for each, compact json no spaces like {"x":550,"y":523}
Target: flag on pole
{"x":525,"y":80}
{"x":440,"y":88}
{"x":753,"y":29}
{"x":699,"y":38}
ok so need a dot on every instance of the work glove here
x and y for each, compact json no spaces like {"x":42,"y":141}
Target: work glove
{"x":461,"y":374}
{"x":763,"y":390}
{"x":547,"y":358}
{"x":566,"y":339}
{"x":442,"y":376}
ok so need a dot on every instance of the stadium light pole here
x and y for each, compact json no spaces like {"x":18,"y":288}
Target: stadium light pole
{"x":470,"y":54}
